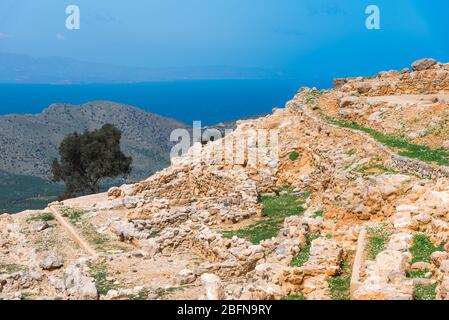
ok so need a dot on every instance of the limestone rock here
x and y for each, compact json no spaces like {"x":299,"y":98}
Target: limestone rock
{"x":438,"y":257}
{"x":127,"y":231}
{"x":51,"y":262}
{"x":57,"y":283}
{"x":443,"y":290}
{"x":79,"y":285}
{"x":445,"y":145}
{"x":213,"y":286}
{"x":130,"y":202}
{"x":39,"y":226}
{"x":423,"y":64}
{"x":348,"y":101}
{"x":186,"y":276}
{"x":114,"y":193}
{"x":421,"y":266}
{"x":262,"y":290}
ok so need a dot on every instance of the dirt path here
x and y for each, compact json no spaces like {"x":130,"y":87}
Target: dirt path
{"x":396,"y":159}
{"x":72,"y":232}
{"x":409,"y":98}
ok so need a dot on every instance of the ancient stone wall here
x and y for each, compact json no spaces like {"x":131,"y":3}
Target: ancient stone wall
{"x":427,"y":81}
{"x":417,"y":167}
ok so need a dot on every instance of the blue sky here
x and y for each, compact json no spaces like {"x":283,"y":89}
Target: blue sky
{"x":301,"y":38}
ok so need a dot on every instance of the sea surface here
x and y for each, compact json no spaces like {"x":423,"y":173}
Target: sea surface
{"x":209,"y":101}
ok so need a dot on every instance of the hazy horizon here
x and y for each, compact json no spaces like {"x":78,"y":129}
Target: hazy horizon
{"x":309,"y":39}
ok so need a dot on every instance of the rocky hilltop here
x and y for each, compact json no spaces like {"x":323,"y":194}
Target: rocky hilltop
{"x":351,"y":204}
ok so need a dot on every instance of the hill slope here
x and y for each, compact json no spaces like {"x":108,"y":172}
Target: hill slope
{"x":334,"y":207}
{"x":28,"y":143}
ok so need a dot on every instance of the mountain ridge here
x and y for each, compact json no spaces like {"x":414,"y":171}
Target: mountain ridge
{"x":19,"y":68}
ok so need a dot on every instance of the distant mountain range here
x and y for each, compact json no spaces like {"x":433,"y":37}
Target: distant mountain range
{"x":15,"y":68}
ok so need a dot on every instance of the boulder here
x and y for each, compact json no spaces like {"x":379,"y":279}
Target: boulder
{"x":340,"y":82}
{"x":51,"y":262}
{"x":130,"y":202}
{"x":213,"y":286}
{"x":445,"y":145}
{"x":390,"y":261}
{"x":443,"y":289}
{"x":262,"y":290}
{"x":57,"y":283}
{"x":423,"y":64}
{"x":115,"y":193}
{"x":444,"y":267}
{"x":363,"y":87}
{"x":438,"y":257}
{"x":79,"y":285}
{"x":400,"y":242}
{"x":186,"y":276}
{"x":39,"y":226}
{"x":36,"y":275}
{"x":348,"y":101}
{"x":126,"y":230}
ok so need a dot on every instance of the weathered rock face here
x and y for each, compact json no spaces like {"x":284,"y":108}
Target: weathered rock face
{"x":127,"y":231}
{"x":423,"y":64}
{"x":261,"y":290}
{"x":51,"y":262}
{"x":428,"y":77}
{"x":386,"y":279}
{"x":212,"y":286}
{"x":186,"y":276}
{"x":39,"y":226}
{"x":79,"y":285}
{"x":441,"y":262}
{"x":325,"y":258}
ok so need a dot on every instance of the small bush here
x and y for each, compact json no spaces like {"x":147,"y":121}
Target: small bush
{"x":73,"y":215}
{"x":294,"y":156}
{"x":42,"y":217}
{"x":339,"y":286}
{"x":319,"y":213}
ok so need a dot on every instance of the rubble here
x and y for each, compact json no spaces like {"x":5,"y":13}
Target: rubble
{"x":185,"y":232}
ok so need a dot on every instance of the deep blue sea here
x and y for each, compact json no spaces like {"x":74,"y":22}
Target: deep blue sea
{"x":208,"y":101}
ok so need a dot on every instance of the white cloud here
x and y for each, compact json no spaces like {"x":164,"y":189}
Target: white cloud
{"x":60,"y":36}
{"x":4,"y":35}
